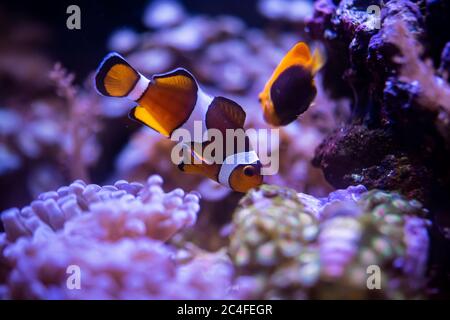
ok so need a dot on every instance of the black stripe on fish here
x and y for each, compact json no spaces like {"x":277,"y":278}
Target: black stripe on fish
{"x":292,"y":93}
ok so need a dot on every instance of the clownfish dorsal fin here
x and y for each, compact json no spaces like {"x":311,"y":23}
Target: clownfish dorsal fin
{"x":225,"y":114}
{"x":167,"y":102}
{"x":179,"y":79}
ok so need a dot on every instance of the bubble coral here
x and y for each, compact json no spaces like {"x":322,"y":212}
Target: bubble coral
{"x":116,"y":235}
{"x":301,"y":247}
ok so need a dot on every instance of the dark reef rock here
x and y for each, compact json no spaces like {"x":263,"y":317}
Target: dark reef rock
{"x":355,"y":154}
{"x":390,"y":123}
{"x":350,"y":149}
{"x":396,"y":75}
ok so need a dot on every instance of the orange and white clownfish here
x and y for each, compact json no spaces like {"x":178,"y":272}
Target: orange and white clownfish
{"x":291,"y":89}
{"x":174,"y":100}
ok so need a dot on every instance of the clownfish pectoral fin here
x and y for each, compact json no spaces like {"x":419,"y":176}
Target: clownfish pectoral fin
{"x":115,"y":77}
{"x":195,"y":147}
{"x":199,"y":167}
{"x":225,"y":114}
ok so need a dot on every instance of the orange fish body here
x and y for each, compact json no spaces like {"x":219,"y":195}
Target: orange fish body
{"x":174,"y":100}
{"x":291,"y":89}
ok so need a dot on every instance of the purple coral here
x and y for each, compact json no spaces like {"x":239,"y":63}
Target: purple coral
{"x":116,"y":236}
{"x":122,"y":210}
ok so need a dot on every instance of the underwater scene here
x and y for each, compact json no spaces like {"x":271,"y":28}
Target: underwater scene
{"x":184,"y":150}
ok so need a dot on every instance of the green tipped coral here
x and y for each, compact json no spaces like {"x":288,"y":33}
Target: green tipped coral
{"x":272,"y":226}
{"x":300,"y":247}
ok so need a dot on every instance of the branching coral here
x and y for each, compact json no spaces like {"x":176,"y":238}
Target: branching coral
{"x":300,"y":247}
{"x":116,"y":236}
{"x":51,"y":140}
{"x":79,"y":146}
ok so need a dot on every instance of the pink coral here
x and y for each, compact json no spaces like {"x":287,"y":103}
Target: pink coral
{"x":116,"y":236}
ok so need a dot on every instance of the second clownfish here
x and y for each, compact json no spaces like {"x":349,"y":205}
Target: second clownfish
{"x":174,"y":100}
{"x":291,"y":89}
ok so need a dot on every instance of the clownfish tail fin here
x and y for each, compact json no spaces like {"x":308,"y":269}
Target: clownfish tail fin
{"x":317,"y":60}
{"x":115,"y":77}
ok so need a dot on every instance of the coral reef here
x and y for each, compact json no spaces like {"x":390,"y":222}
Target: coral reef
{"x":394,"y":72}
{"x":301,"y":247}
{"x":63,"y":134}
{"x":380,"y":120}
{"x":399,"y":100}
{"x":116,"y":235}
{"x":283,"y":244}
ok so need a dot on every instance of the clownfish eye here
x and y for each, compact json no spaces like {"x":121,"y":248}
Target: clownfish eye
{"x":249,"y":171}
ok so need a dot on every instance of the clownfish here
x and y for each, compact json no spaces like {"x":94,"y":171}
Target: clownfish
{"x":291,"y":89}
{"x":173,"y":100}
